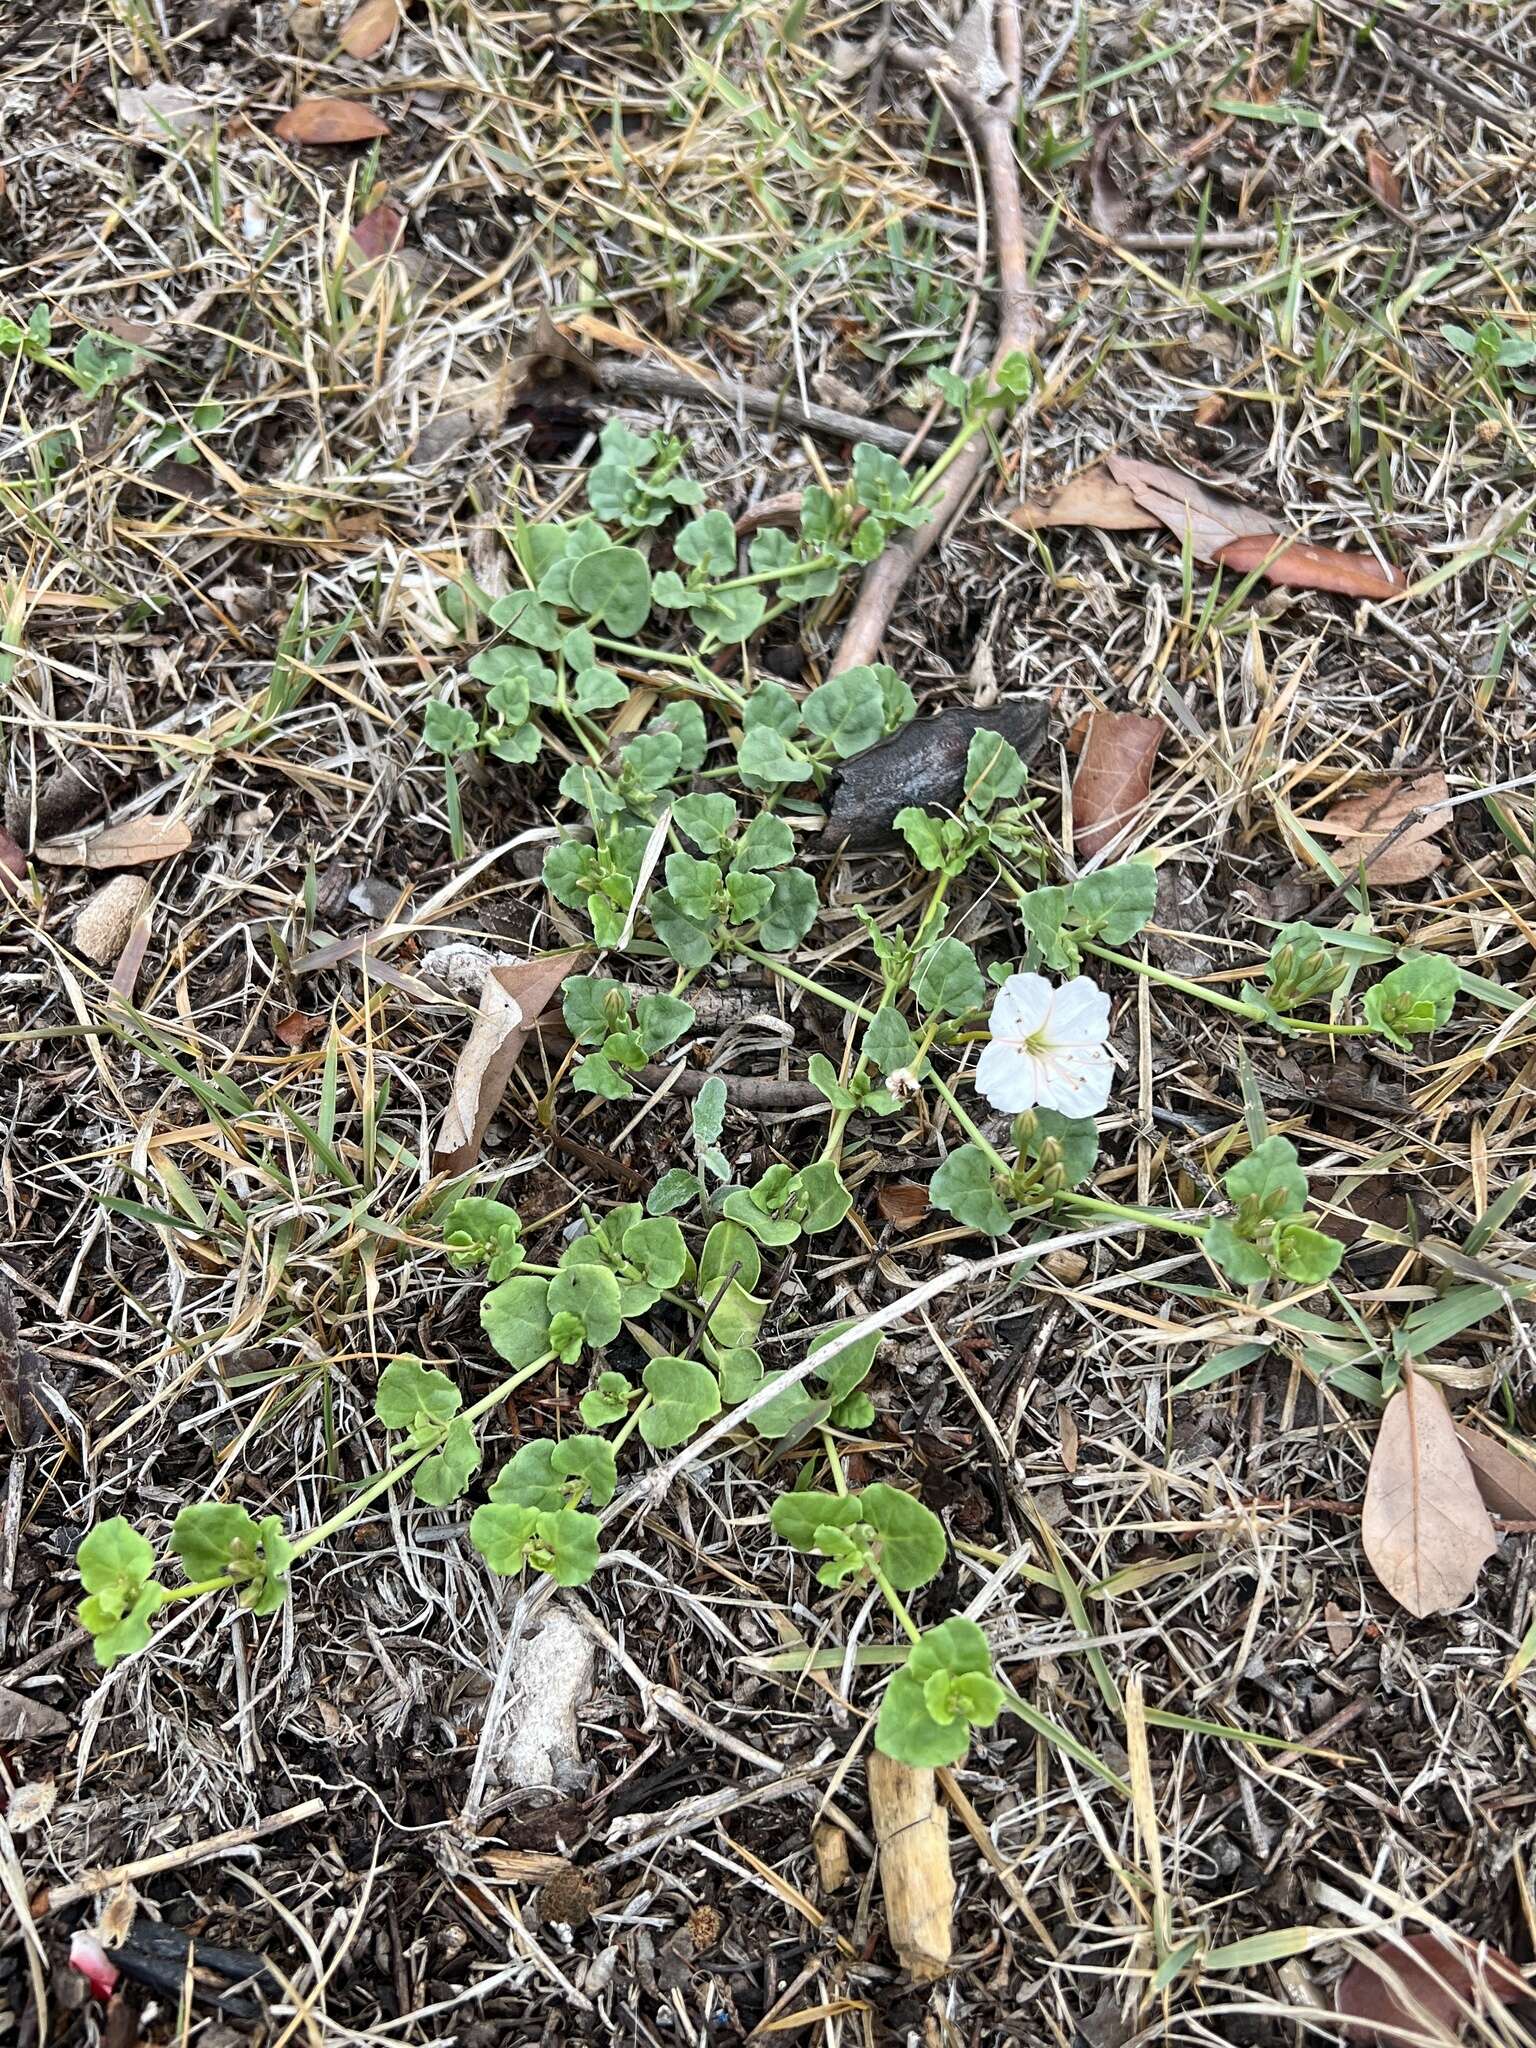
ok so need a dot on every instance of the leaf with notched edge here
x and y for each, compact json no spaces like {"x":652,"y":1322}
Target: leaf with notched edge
{"x":1114,"y":777}
{"x":1365,"y":823}
{"x":326,"y":121}
{"x":510,"y":1004}
{"x":1423,"y":1980}
{"x":1424,"y":1527}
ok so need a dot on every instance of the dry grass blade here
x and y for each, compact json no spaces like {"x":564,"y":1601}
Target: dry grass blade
{"x":1424,"y":1528}
{"x":1114,"y":777}
{"x":511,"y":1002}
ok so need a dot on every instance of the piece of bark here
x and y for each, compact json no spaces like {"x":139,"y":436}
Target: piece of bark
{"x":912,"y":1829}
{"x":831,"y":1846}
{"x":924,"y":764}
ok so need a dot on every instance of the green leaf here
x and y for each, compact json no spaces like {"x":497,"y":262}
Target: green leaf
{"x":515,"y":1316}
{"x":529,"y":1478}
{"x":587,"y":1461}
{"x":448,"y":730}
{"x":442,"y":1477}
{"x":1270,"y":1179}
{"x":411,"y":1395}
{"x":1045,"y":915}
{"x":848,"y":711}
{"x":740,"y":1370}
{"x":851,"y":1366}
{"x":1305,"y":1255}
{"x":1070,"y":1143}
{"x":1413,"y":999}
{"x":826,"y":1201}
{"x":684,"y":1395}
{"x":913,"y":1545}
{"x":964,"y":1188}
{"x":888,"y":1043}
{"x":115,"y":1561}
{"x":766,"y":760}
{"x":690,"y":943}
{"x":695,"y":887}
{"x":948,"y":983}
{"x":204,"y":1536}
{"x":709,"y":821}
{"x":823,"y":1076}
{"x":99,"y":361}
{"x":747,"y":896}
{"x":607,"y":1401}
{"x":771,"y":707}
{"x":728,"y":1247}
{"x":709,"y":1112}
{"x":949,"y":1668}
{"x":730,"y":615}
{"x":1236,"y":1257}
{"x":771,"y":1210}
{"x":1115,"y":903}
{"x":520,"y":614}
{"x":708,"y":543}
{"x":613,"y":585}
{"x":881,"y":484}
{"x":676,"y":1189}
{"x":565,"y":1546}
{"x":592,"y":1006}
{"x":792,"y":909}
{"x":502,"y":1534}
{"x":661,"y":1021}
{"x":591,"y":1295}
{"x":117,"y":1635}
{"x":735,"y":1317}
{"x":993,"y":771}
{"x":599,"y":689}
{"x":853,"y":1412}
{"x":942,"y":846}
{"x":796,"y":1517}
{"x":766,"y":843}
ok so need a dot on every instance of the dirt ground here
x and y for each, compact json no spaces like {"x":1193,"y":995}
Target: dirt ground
{"x":1256,"y":233}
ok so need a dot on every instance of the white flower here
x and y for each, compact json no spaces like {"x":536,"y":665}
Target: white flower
{"x":1047,"y":1047}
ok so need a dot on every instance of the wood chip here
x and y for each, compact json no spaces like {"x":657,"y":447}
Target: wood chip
{"x":325,"y":121}
{"x":831,"y":1846}
{"x":510,"y":1004}
{"x":135,"y":843}
{"x":912,"y":1829}
{"x":1114,"y":777}
{"x":1424,"y":1528}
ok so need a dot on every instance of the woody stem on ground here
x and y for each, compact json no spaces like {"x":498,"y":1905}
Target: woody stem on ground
{"x":990,"y":116}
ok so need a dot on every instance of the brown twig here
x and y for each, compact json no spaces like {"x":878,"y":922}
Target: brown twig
{"x":985,"y":94}
{"x":662,"y":380}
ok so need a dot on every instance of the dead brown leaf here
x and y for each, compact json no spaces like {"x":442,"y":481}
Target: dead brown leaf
{"x":1110,"y":207}
{"x":298,"y":1028}
{"x":1382,"y":179}
{"x":1367,"y":822}
{"x":324,"y":121}
{"x":1425,"y":1979}
{"x":378,"y":233}
{"x":511,"y":1001}
{"x":903,"y":1203}
{"x":1506,"y":1481}
{"x":1301,"y":566}
{"x":1182,"y":505}
{"x":1424,"y":1527}
{"x":136,"y":843}
{"x":1091,"y":498}
{"x":25,"y":1719}
{"x":1114,"y":776}
{"x":369,"y":27}
{"x":13,"y":865}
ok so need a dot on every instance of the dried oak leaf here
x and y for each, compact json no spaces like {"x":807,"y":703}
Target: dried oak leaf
{"x":135,"y":843}
{"x":1506,"y":1481}
{"x":1114,"y":777}
{"x":324,"y":121}
{"x":1424,"y":1527}
{"x":1424,"y":1980}
{"x":369,"y":27}
{"x":1366,"y":822}
{"x":511,"y":1000}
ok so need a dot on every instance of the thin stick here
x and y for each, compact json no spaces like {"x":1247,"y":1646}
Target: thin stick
{"x":661,"y":380}
{"x":989,"y":114}
{"x":95,"y":1881}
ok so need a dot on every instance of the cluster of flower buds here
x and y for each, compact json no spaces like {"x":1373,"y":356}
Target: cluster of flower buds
{"x":1302,"y":969}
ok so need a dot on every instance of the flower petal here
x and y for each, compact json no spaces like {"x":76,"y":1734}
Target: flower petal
{"x":1076,"y":1085}
{"x":1021,"y":1006}
{"x":1080,"y":1013}
{"x":1007,"y":1077}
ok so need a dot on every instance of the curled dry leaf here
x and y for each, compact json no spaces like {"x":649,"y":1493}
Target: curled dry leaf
{"x":1091,"y":498}
{"x":13,"y":866}
{"x":903,"y":1203}
{"x":323,"y":121}
{"x":135,"y":843}
{"x":1109,"y":206}
{"x":369,"y":27}
{"x":510,"y":1002}
{"x":1381,"y":831}
{"x":298,"y":1028}
{"x":1506,"y":1481}
{"x":1302,"y":566}
{"x":1114,"y":777}
{"x":1418,"y":1981}
{"x":1384,"y":182}
{"x":1424,"y":1527}
{"x":106,"y":919}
